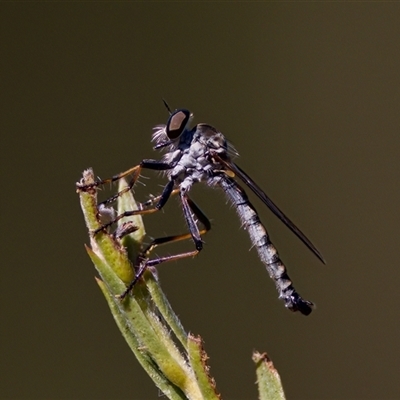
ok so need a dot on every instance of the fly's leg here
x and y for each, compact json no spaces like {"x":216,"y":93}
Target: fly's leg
{"x":191,"y":223}
{"x":80,"y":187}
{"x":143,"y":260}
{"x":146,"y":263}
{"x":135,"y":171}
{"x":188,"y":207}
{"x":146,"y":164}
{"x":162,"y":199}
{"x":156,"y":199}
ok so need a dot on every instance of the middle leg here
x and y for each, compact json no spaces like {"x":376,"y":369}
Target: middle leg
{"x":143,"y":260}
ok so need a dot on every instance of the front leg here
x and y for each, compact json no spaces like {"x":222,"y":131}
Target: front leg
{"x":147,"y":164}
{"x":191,"y":223}
{"x":165,"y":195}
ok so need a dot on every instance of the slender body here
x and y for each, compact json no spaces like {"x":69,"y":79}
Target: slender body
{"x":202,"y":154}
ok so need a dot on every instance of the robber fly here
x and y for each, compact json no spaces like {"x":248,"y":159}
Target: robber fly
{"x":202,"y":154}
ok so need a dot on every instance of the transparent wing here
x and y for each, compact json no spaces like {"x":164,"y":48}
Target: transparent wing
{"x":271,"y":205}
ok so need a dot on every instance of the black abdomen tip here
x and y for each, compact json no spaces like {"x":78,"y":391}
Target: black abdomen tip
{"x":296,"y":303}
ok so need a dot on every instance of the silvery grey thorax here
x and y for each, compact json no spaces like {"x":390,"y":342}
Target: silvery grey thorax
{"x":191,"y":153}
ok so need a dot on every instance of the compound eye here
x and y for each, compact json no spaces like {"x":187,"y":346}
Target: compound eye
{"x":177,"y":123}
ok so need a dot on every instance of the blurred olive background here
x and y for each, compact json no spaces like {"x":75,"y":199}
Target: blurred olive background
{"x":309,"y":94}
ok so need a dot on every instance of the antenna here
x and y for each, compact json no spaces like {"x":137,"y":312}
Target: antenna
{"x":167,"y":106}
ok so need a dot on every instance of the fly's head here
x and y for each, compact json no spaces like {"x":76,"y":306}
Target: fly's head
{"x":177,"y":123}
{"x":170,"y":135}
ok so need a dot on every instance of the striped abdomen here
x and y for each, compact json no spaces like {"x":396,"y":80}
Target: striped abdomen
{"x":266,"y":250}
